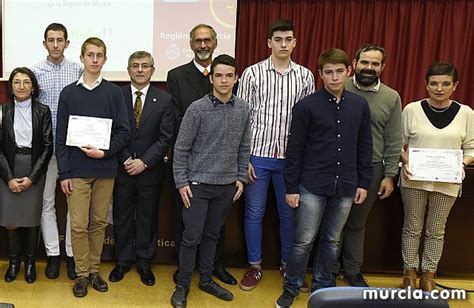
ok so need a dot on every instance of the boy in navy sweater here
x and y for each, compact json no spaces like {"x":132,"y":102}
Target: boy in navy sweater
{"x":87,"y":173}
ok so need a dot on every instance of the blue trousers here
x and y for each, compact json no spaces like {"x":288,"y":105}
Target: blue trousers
{"x":328,"y":215}
{"x":266,"y":169}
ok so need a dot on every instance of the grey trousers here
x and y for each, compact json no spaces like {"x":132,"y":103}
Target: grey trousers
{"x":352,"y":239}
{"x":203,"y":221}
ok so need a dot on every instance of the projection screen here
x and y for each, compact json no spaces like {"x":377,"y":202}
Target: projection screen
{"x":160,"y":27}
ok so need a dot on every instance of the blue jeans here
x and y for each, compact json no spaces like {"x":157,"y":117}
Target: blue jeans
{"x":266,"y":169}
{"x":328,"y":215}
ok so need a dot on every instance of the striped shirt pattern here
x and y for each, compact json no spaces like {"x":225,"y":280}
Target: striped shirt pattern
{"x":271,"y":96}
{"x":52,"y":78}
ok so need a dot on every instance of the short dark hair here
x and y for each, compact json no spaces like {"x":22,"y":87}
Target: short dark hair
{"x":140,"y":55}
{"x":34,"y":82}
{"x":369,"y":47}
{"x":55,"y":27}
{"x":442,"y":68}
{"x":206,"y":26}
{"x":93,"y":41}
{"x":333,"y":56}
{"x":280,"y":25}
{"x":223,"y":59}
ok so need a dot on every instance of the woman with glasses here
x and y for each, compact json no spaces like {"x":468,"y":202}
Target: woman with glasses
{"x":25,"y":149}
{"x":437,"y":122}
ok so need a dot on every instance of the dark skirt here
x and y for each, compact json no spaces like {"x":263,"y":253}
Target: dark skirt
{"x":21,"y":209}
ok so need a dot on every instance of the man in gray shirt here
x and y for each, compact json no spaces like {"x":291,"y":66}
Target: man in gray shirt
{"x":211,"y":156}
{"x":385,"y":116}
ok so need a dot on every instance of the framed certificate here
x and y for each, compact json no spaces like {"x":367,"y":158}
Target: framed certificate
{"x":82,"y":131}
{"x":437,"y":165}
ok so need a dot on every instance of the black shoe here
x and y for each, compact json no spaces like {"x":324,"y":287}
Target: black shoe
{"x":118,"y":272}
{"x":223,"y":275}
{"x":179,"y":297}
{"x":71,"y":268}
{"x":285,"y":300}
{"x":146,"y":276}
{"x":356,"y":280}
{"x":80,"y":287}
{"x":214,"y":289}
{"x":175,"y":276}
{"x":52,"y":267}
{"x":13,"y":269}
{"x":98,"y":283}
{"x":30,"y":270}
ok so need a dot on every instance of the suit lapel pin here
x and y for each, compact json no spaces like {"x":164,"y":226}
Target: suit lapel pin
{"x":154,"y":100}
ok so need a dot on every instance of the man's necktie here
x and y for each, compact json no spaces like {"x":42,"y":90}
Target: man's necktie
{"x":205,"y":72}
{"x":137,"y":109}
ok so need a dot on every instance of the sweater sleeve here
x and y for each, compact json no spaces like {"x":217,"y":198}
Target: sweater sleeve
{"x":62,"y":152}
{"x":393,"y":140}
{"x":182,"y":149}
{"x":244,"y":150}
{"x":296,"y":143}
{"x":468,"y":142}
{"x":365,"y":168}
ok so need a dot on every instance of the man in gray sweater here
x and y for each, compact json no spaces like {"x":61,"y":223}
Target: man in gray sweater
{"x":211,"y":156}
{"x":385,"y":116}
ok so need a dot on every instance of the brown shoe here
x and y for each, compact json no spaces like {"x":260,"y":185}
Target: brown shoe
{"x":427,"y":282}
{"x":409,"y":279}
{"x":80,"y":286}
{"x":98,"y":283}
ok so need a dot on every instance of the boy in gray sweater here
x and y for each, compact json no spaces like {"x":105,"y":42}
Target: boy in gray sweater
{"x":211,"y":156}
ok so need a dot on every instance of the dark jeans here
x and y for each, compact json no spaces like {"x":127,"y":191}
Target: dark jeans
{"x":351,"y":248}
{"x":203,"y":221}
{"x":326,"y":214}
{"x":178,"y":228}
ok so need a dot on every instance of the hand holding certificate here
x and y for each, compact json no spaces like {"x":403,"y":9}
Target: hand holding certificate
{"x":89,"y":131}
{"x":436,"y":165}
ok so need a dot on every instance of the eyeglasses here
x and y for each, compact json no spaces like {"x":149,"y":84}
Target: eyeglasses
{"x":19,"y":83}
{"x":206,"y":41}
{"x":144,"y":66}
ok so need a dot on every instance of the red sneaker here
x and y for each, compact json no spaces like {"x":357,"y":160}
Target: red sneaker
{"x":251,"y":279}
{"x":303,"y":289}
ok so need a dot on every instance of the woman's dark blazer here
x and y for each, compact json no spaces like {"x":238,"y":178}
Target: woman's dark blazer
{"x":42,"y":143}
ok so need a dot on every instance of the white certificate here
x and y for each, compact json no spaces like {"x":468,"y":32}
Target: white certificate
{"x":82,"y":131}
{"x":436,"y":165}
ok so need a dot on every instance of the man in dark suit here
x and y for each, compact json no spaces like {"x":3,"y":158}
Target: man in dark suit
{"x":188,"y":83}
{"x":141,"y":171}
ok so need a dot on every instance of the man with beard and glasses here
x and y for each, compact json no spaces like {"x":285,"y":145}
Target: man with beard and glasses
{"x":188,"y":83}
{"x":385,"y":114}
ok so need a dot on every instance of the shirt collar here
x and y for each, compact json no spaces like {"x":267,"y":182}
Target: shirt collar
{"x":144,"y":90}
{"x":54,"y":64}
{"x":23,"y":104}
{"x":94,"y":84}
{"x":200,"y":67}
{"x":373,"y":89}
{"x":215,"y":101}
{"x":271,"y":67}
{"x":332,"y":98}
